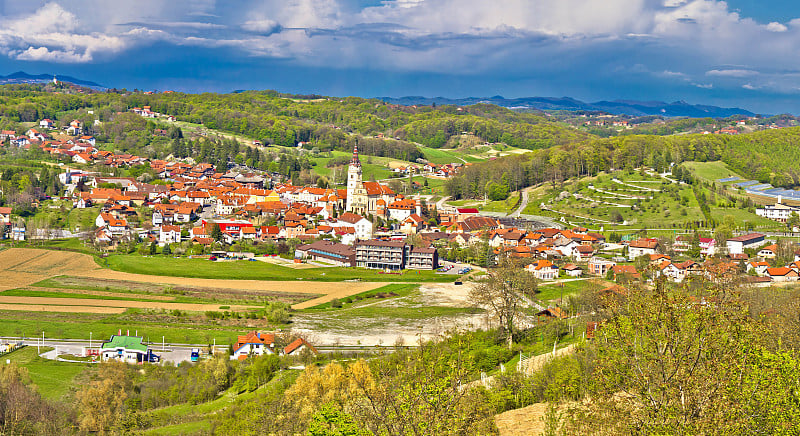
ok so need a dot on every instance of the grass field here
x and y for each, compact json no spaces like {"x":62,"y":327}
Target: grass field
{"x":150,"y":324}
{"x":446,"y":156}
{"x":244,"y":270}
{"x":553,"y":291}
{"x":53,"y":379}
{"x":710,"y":171}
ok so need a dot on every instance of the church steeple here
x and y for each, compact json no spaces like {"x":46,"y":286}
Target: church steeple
{"x":354,"y":181}
{"x":354,"y":160}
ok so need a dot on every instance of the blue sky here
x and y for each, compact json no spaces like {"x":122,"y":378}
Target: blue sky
{"x":738,"y":53}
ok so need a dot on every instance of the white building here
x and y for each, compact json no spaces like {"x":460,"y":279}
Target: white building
{"x":778,"y":212}
{"x":362,"y":225}
{"x":738,"y":244}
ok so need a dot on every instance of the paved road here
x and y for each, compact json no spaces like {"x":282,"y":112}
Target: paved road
{"x":524,"y":194}
{"x":169,"y":353}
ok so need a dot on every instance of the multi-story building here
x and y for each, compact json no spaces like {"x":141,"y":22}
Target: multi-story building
{"x":394,"y":255}
{"x":738,"y":244}
{"x":378,"y":254}
{"x":422,"y":258}
{"x":778,"y":212}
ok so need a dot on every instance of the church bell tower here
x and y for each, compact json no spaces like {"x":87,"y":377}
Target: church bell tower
{"x":354,"y":181}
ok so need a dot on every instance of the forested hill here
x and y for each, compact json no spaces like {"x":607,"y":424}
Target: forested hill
{"x":770,"y":156}
{"x":281,"y":119}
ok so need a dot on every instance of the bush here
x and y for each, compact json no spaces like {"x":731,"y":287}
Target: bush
{"x":336,"y":303}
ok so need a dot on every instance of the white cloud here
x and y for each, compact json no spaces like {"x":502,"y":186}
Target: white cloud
{"x":43,"y":54}
{"x":261,"y":26}
{"x":750,"y":87}
{"x":731,"y":73}
{"x":776,"y":27}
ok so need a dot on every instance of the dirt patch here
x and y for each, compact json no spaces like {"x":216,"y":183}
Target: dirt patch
{"x":285,"y":263}
{"x":344,"y":290}
{"x":528,"y":421}
{"x":66,"y":309}
{"x":446,"y":294}
{"x":157,"y":305}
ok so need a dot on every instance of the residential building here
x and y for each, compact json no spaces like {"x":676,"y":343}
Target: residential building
{"x":298,"y":346}
{"x":738,"y":244}
{"x":169,"y":234}
{"x":422,"y":258}
{"x":572,"y":270}
{"x":327,"y":251}
{"x":782,"y":274}
{"x":362,"y":226}
{"x":543,"y":270}
{"x":600,"y":266}
{"x":379,"y":254}
{"x":253,"y":344}
{"x":641,"y":247}
{"x":768,"y":252}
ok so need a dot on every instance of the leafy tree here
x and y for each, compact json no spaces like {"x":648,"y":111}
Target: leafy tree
{"x":330,"y":421}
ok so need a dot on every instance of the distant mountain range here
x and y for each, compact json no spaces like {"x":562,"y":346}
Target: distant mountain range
{"x":23,"y":77}
{"x":617,"y":107}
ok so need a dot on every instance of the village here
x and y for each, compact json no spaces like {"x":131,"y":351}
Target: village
{"x":364,"y":225}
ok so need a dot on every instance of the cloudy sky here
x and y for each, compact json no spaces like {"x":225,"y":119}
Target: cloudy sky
{"x":742,"y":53}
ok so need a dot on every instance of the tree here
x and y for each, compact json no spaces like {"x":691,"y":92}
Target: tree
{"x":503,"y":294}
{"x":330,"y":421}
{"x":793,"y":221}
{"x":216,"y":233}
{"x":664,"y":364}
{"x":166,"y":251}
{"x":153,"y":247}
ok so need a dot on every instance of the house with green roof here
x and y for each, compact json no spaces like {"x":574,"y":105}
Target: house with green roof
{"x":129,"y":349}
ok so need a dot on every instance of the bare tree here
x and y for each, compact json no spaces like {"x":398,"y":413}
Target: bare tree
{"x":503,"y":294}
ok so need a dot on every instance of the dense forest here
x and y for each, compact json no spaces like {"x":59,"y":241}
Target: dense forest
{"x":279,"y":119}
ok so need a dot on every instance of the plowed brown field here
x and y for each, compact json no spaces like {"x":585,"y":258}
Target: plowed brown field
{"x":21,"y":267}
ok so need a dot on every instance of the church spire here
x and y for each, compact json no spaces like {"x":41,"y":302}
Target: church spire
{"x":355,"y":160}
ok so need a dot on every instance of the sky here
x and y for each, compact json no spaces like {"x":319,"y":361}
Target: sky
{"x":740,"y":53}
